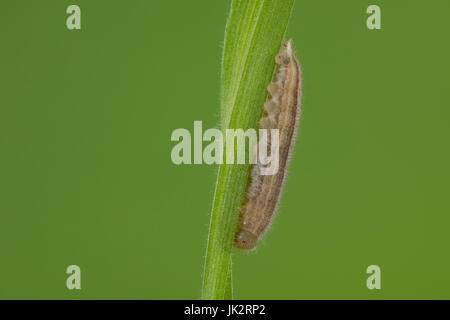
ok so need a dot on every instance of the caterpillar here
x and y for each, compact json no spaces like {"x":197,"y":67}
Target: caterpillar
{"x":281,"y":111}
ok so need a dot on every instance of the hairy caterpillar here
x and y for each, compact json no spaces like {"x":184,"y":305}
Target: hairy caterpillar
{"x":281,"y":111}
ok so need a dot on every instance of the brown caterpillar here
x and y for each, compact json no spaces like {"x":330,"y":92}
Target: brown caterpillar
{"x":281,"y":111}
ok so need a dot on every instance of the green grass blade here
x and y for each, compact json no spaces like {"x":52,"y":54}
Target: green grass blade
{"x":229,"y":285}
{"x":253,"y":35}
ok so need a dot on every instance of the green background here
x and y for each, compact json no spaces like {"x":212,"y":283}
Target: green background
{"x":86,"y":176}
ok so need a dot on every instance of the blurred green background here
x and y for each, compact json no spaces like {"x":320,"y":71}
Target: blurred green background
{"x":86,"y":176}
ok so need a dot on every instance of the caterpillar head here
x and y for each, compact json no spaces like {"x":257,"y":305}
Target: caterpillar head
{"x":245,"y":240}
